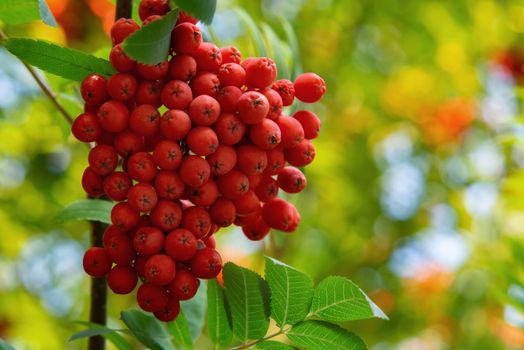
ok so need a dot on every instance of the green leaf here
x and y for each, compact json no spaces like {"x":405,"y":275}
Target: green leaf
{"x":338,"y":299}
{"x":291,"y":292}
{"x":147,"y":329}
{"x":273,"y":345}
{"x":24,"y":11}
{"x":180,"y":332}
{"x":292,"y":40}
{"x":319,"y":335}
{"x":5,"y":346}
{"x":203,"y":10}
{"x":218,"y":320}
{"x":254,"y":32}
{"x":118,"y":341}
{"x":195,"y":310}
{"x":58,"y":60}
{"x":150,"y":44}
{"x":248,"y":296}
{"x":86,"y":209}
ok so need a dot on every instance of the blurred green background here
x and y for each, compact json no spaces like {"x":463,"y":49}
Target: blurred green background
{"x":416,"y":193}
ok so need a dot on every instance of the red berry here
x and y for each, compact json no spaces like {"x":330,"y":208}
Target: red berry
{"x":184,"y":286}
{"x":223,"y":212}
{"x":196,"y":220}
{"x":175,"y":124}
{"x":309,"y":87}
{"x":256,"y":230}
{"x":310,"y":123}
{"x":194,"y":171}
{"x":247,"y":204}
{"x":153,"y":72}
{"x":113,"y":116}
{"x":230,"y":54}
{"x":205,"y":195}
{"x":180,"y":244}
{"x":160,"y":269}
{"x":120,"y":249}
{"x":222,"y":160}
{"x":228,"y":98}
{"x":206,"y":263}
{"x":116,"y":185}
{"x":149,"y":93}
{"x":291,"y":131}
{"x":202,"y":140}
{"x":111,"y":231}
{"x":278,"y":214}
{"x":184,"y":17}
{"x":168,"y":185}
{"x":122,"y":86}
{"x":208,"y":57}
{"x":261,"y":72}
{"x":150,"y":19}
{"x":186,"y":38}
{"x":291,"y":180}
{"x":267,"y":189}
{"x":266,"y":134}
{"x":142,"y":197}
{"x":94,"y":89}
{"x":232,"y":74}
{"x":251,"y":159}
{"x":286,"y":90}
{"x":205,"y":83}
{"x":167,"y":155}
{"x":151,"y":298}
{"x":210,"y":240}
{"x":141,"y":167}
{"x":176,"y":95}
{"x":122,"y":279}
{"x":229,"y":129}
{"x":182,"y":67}
{"x":96,"y":262}
{"x":170,"y":311}
{"x":233,"y":185}
{"x":275,"y":161}
{"x":122,"y":28}
{"x":128,"y":143}
{"x":124,"y":216}
{"x":152,"y":7}
{"x":140,"y":265}
{"x":148,"y":240}
{"x":275,"y":103}
{"x":86,"y":128}
{"x":103,"y":159}
{"x":300,"y":155}
{"x":204,"y":110}
{"x":166,"y":215}
{"x":252,"y":107}
{"x":145,"y":120}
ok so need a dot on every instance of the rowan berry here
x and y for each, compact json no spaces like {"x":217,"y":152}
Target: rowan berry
{"x":222,"y":212}
{"x":196,"y":220}
{"x":148,"y":241}
{"x":142,"y":197}
{"x":204,"y":195}
{"x":124,"y":216}
{"x":267,"y":189}
{"x":291,"y":180}
{"x":310,"y":123}
{"x":122,"y":279}
{"x":222,"y":160}
{"x":167,"y":155}
{"x":309,"y":87}
{"x":141,"y":167}
{"x":180,"y":244}
{"x":86,"y":128}
{"x":252,"y":107}
{"x":233,"y":185}
{"x":230,"y":54}
{"x":96,"y":262}
{"x":148,"y":93}
{"x":113,"y":116}
{"x":128,"y":143}
{"x":120,"y":249}
{"x":175,"y":124}
{"x":166,"y":215}
{"x":286,"y":90}
{"x":151,"y":297}
{"x":229,"y":129}
{"x":228,"y":98}
{"x":184,"y":286}
{"x":206,"y":263}
{"x":116,"y":185}
{"x":168,"y":185}
{"x":153,"y":72}
{"x":266,"y":134}
{"x":186,"y":38}
{"x":170,"y":311}
{"x":94,"y":89}
{"x":182,"y":67}
{"x":202,"y":140}
{"x":205,"y":83}
{"x":247,"y":204}
{"x":208,"y":57}
{"x":291,"y":131}
{"x":176,"y":95}
{"x":194,"y":171}
{"x":256,"y":230}
{"x":122,"y":28}
{"x":160,"y":269}
{"x":103,"y":159}
{"x":152,"y":7}
{"x":204,"y":110}
{"x":300,"y":155}
{"x":278,"y":214}
{"x":251,"y":159}
{"x":260,"y":72}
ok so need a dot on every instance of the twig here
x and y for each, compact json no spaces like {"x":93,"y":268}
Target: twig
{"x":43,"y":86}
{"x":248,"y":345}
{"x":124,"y":9}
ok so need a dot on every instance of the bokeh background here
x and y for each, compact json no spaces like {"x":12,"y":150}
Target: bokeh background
{"x":416,"y":193}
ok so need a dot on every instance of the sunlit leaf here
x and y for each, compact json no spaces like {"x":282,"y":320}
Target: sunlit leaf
{"x":86,"y":209}
{"x":203,"y":10}
{"x":273,"y":345}
{"x":180,"y":332}
{"x":218,"y":322}
{"x":111,"y":335}
{"x":24,"y":11}
{"x":195,"y":311}
{"x":319,"y":335}
{"x":147,"y":329}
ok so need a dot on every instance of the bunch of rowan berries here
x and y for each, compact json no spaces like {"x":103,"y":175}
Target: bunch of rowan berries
{"x":217,"y":156}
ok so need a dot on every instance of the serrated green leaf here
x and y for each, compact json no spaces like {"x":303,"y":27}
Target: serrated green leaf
{"x":203,"y":10}
{"x":195,"y":310}
{"x":58,"y":60}
{"x":118,"y":341}
{"x":277,"y":51}
{"x":180,"y":331}
{"x":147,"y":329}
{"x":86,"y":209}
{"x":274,"y":345}
{"x":150,"y":44}
{"x":291,"y":292}
{"x":338,"y":299}
{"x":319,"y":335}
{"x":5,"y":346}
{"x":24,"y":11}
{"x":218,"y":320}
{"x":249,"y":302}
{"x":254,"y":32}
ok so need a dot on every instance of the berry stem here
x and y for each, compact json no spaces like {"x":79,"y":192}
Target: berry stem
{"x":98,"y":307}
{"x":248,"y":345}
{"x":43,"y":86}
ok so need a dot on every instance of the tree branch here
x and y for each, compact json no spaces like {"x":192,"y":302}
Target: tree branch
{"x":43,"y":86}
{"x":124,"y":9}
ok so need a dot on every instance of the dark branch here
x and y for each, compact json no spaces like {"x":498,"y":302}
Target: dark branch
{"x":124,"y":8}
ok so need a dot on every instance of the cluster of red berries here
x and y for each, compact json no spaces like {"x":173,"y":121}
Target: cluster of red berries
{"x":217,"y":156}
